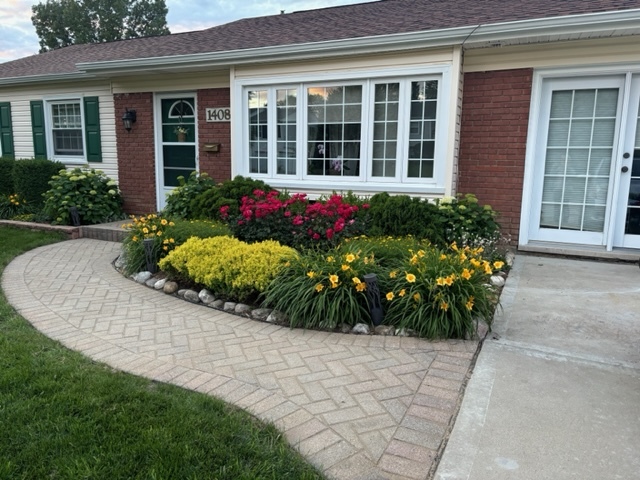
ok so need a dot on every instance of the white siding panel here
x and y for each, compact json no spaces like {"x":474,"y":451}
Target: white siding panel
{"x":352,"y":63}
{"x":172,"y":82}
{"x":562,"y":54}
{"x":20,"y":98}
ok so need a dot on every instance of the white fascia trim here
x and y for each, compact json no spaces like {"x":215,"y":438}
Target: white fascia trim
{"x":58,"y":77}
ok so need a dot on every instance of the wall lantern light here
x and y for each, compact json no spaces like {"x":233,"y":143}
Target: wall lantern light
{"x":128,"y":119}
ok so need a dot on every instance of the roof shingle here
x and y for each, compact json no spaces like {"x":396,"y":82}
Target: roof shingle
{"x":377,"y":18}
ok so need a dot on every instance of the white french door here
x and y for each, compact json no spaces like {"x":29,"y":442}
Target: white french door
{"x":586,"y":178}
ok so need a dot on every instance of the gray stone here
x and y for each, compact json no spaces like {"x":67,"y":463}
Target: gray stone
{"x":345,"y":328}
{"x":142,"y":277}
{"x":497,"y":281}
{"x":206,"y":296}
{"x":219,"y":304}
{"x":170,"y":287}
{"x":261,"y":314}
{"x":242,"y":309}
{"x":361,"y":329}
{"x":406,"y":332}
{"x":159,"y":285}
{"x":229,"y":306}
{"x":384,"y":330}
{"x":181,"y":292}
{"x":120,"y":262}
{"x":510,"y":257}
{"x":191,"y":296}
{"x":277,"y":317}
{"x":151,"y":282}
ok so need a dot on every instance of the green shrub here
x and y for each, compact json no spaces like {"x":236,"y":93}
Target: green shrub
{"x":180,"y":199}
{"x":323,"y":289}
{"x":387,"y":251}
{"x":6,"y":176}
{"x":228,"y":193}
{"x":444,"y":221}
{"x":31,"y":178}
{"x":167,"y":235}
{"x":440,"y":293}
{"x":228,"y":266}
{"x":401,"y":215}
{"x":96,"y":197}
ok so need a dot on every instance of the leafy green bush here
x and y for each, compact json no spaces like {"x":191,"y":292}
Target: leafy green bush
{"x":401,"y":215}
{"x":228,"y":193}
{"x":179,"y":201}
{"x":6,"y":176}
{"x":440,"y":294}
{"x":444,"y":221}
{"x":166,"y":235}
{"x":95,"y":195}
{"x":31,"y":178}
{"x":323,"y":289}
{"x":228,"y":266}
{"x":387,"y":251}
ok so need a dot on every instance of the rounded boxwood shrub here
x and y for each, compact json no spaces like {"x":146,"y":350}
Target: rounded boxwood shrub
{"x":95,"y":195}
{"x":179,"y":201}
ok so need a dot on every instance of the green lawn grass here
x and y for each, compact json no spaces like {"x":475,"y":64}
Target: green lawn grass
{"x":63,"y":416}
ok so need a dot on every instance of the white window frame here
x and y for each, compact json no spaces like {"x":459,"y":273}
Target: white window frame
{"x":365,"y":181}
{"x":48,"y":124}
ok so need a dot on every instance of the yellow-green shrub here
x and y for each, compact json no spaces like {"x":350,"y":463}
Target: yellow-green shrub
{"x":228,"y":266}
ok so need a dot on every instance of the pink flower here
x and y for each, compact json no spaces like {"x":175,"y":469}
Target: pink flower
{"x":316,"y":236}
{"x":329,"y":233}
{"x":287,"y":213}
{"x":258,"y":193}
{"x":297,"y":220}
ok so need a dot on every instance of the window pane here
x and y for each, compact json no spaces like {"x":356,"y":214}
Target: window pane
{"x":334,"y":130}
{"x":286,"y":128}
{"x":66,"y":119}
{"x":385,"y":130}
{"x":258,"y":131}
{"x":422,"y":128}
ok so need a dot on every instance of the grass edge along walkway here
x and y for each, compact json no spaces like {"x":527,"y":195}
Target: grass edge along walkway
{"x":64,"y":416}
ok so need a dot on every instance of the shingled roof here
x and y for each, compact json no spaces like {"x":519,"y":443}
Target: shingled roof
{"x":384,"y":17}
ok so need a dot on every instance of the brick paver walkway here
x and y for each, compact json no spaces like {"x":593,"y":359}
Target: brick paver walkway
{"x":358,"y":407}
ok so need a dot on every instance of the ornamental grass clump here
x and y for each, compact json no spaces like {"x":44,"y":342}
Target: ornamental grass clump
{"x":166,"y":235}
{"x":13,"y":206}
{"x":323,"y":289}
{"x":228,"y":266}
{"x":440,"y":293}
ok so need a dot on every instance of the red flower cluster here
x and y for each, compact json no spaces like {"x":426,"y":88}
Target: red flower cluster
{"x":293,"y":219}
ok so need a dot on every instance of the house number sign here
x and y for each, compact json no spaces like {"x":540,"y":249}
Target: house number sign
{"x":218,"y":114}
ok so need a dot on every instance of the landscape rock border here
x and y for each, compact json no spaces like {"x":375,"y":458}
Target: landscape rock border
{"x":208,"y":299}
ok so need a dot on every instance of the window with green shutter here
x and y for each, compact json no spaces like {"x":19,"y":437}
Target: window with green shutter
{"x":67,"y":129}
{"x":6,"y":131}
{"x":37,"y":125}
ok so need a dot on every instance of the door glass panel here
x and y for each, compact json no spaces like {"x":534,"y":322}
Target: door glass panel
{"x":578,"y":159}
{"x":178,"y":139}
{"x":632,"y":221}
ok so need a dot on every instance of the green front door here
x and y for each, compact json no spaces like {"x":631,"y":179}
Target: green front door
{"x":177,"y":137}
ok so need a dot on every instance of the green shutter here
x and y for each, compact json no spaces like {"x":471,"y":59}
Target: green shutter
{"x":92,"y":129}
{"x":37,"y":125}
{"x":6,"y":131}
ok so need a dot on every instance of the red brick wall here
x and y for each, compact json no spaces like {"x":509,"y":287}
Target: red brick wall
{"x":493,"y":137}
{"x":136,"y":154}
{"x":217,"y":165}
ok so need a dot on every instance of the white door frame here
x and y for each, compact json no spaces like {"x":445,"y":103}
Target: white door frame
{"x":531,"y":198}
{"x":161,"y":190}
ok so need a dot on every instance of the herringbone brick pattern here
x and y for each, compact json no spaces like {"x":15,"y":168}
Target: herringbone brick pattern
{"x":359,"y":407}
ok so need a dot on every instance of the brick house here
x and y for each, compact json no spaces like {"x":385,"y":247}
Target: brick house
{"x":532,"y":106}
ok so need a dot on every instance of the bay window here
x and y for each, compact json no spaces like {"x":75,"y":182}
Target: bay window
{"x":369,"y":133}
